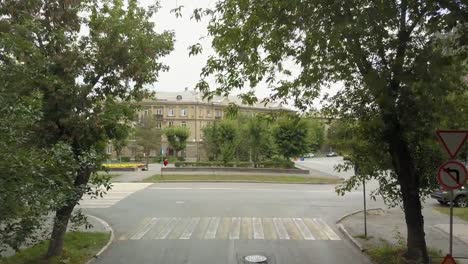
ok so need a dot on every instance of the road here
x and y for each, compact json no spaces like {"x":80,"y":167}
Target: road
{"x":222,"y":222}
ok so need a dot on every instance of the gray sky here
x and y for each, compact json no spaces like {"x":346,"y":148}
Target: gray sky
{"x":184,"y":70}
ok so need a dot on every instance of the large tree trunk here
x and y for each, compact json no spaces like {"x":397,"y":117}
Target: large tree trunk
{"x":63,"y":215}
{"x":409,"y":184}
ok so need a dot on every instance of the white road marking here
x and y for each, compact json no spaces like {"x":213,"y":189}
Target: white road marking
{"x":280,"y":229}
{"x":168,"y":228}
{"x":190,"y":228}
{"x":142,"y":231}
{"x":234,"y":231}
{"x":326,"y":229}
{"x":118,"y":192}
{"x":258,"y":228}
{"x":179,"y":202}
{"x":242,"y":189}
{"x":305,"y":232}
{"x":212,"y":228}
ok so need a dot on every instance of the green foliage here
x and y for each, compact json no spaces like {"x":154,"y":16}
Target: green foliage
{"x":85,"y":83}
{"x":291,"y":136}
{"x":147,"y":135}
{"x":177,"y":137}
{"x":401,"y":64}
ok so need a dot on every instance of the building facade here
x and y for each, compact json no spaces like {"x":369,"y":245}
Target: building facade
{"x":188,"y":108}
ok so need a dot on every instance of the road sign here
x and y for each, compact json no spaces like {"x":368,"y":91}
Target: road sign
{"x":449,"y":260}
{"x":452,"y":175}
{"x":452,"y":140}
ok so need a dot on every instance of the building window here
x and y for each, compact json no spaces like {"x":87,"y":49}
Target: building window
{"x":159,"y":111}
{"x":170,"y":112}
{"x":146,"y":112}
{"x":201,"y":112}
{"x":208,"y":112}
{"x":158,"y":125}
{"x":171,"y":123}
{"x":183,"y":112}
{"x":184,"y":124}
{"x":109,"y":149}
{"x":219,"y":113}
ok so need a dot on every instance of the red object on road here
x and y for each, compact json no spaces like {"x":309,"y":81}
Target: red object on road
{"x":165,"y":162}
{"x":449,"y":260}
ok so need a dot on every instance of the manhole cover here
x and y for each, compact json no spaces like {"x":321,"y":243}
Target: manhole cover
{"x":256,"y":259}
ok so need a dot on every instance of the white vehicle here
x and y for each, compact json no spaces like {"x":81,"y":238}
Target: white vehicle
{"x":309,"y":155}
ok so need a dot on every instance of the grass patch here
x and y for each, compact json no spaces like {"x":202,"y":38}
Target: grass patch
{"x":112,"y":175}
{"x":240,"y":178}
{"x":79,"y":248}
{"x":362,"y":236}
{"x":393,"y":254}
{"x":462,"y":213}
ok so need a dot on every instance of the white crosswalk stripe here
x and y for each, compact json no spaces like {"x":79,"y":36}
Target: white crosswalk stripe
{"x":232,"y":228}
{"x":118,"y":192}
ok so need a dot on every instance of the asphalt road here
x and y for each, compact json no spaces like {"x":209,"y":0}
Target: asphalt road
{"x":287,"y":223}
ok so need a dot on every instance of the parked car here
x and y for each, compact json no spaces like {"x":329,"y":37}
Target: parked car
{"x":332,"y":154}
{"x":460,"y":196}
{"x":309,"y":155}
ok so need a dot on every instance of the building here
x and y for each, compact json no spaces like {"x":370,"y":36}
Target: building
{"x":188,"y":108}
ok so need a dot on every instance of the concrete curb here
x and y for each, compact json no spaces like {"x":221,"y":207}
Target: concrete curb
{"x":347,"y":234}
{"x":111,"y":239}
{"x":350,"y":237}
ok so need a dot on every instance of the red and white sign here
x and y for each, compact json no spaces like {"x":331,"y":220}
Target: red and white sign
{"x":452,"y":175}
{"x":448,"y":260}
{"x":452,"y":140}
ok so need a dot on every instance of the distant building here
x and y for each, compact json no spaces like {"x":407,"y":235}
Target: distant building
{"x":188,"y":108}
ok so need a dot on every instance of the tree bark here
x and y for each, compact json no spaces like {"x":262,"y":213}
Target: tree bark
{"x":63,"y":215}
{"x":409,"y":185}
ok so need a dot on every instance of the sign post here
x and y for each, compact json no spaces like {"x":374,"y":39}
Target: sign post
{"x":356,"y":172}
{"x":452,"y":174}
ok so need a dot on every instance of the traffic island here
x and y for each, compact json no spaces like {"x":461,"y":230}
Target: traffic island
{"x":242,"y":178}
{"x":386,"y":235}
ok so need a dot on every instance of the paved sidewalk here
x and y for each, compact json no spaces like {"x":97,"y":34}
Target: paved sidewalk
{"x":389,"y":225}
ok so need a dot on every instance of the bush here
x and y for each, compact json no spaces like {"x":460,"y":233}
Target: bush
{"x":283,"y":164}
{"x":125,"y":159}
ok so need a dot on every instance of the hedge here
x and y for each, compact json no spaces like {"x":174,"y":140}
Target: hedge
{"x":240,"y":164}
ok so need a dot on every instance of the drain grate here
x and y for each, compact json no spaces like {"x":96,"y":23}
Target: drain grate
{"x":256,"y":259}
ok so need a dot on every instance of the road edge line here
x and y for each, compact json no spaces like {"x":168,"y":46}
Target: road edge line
{"x":108,"y":228}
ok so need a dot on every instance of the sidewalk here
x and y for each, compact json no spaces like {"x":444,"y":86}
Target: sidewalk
{"x":137,"y":176}
{"x":389,"y":225}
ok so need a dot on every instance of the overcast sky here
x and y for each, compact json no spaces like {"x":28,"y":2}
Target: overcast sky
{"x":184,"y":70}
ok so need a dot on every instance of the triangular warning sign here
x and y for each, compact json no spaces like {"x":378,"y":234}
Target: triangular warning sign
{"x":452,"y":140}
{"x":449,"y":260}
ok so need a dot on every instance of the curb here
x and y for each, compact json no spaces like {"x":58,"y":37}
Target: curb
{"x":111,"y":239}
{"x":347,"y":234}
{"x":350,"y":237}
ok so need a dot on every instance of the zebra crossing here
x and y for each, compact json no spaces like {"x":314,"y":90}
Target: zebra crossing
{"x":118,"y":192}
{"x":231,"y":228}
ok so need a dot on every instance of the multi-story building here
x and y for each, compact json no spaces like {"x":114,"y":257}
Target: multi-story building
{"x":188,"y":108}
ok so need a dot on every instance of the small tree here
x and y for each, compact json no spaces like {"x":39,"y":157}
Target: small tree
{"x":210,"y":135}
{"x":177,"y":138}
{"x":258,"y":137}
{"x":147,"y":135}
{"x":291,"y":137}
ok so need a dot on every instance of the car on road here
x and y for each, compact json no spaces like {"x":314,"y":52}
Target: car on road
{"x":460,"y":196}
{"x":309,"y":155}
{"x":332,"y":154}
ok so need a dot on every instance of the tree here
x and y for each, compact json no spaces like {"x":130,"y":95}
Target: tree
{"x":210,"y":135}
{"x":387,"y":54}
{"x":82,"y":78}
{"x":291,"y":137}
{"x":148,"y":136}
{"x":228,"y":140}
{"x":177,"y":137}
{"x":316,"y":131}
{"x":259,"y":139}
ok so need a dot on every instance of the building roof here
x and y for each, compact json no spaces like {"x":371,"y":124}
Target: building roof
{"x":191,"y":96}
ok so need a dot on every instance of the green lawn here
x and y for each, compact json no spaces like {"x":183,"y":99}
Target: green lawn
{"x":239,"y":178}
{"x":459,"y":212}
{"x":79,"y":248}
{"x":100,"y":173}
{"x":393,"y":254}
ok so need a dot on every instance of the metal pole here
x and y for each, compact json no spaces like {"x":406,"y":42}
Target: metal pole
{"x":365,"y":208}
{"x":451,"y":222}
